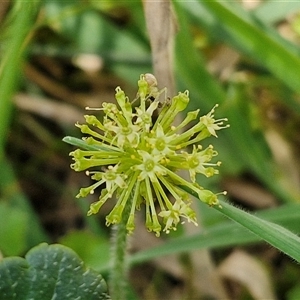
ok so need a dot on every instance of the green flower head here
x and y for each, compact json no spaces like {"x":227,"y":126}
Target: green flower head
{"x":135,"y":155}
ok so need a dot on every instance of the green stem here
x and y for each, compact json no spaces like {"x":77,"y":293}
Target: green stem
{"x":118,"y":272}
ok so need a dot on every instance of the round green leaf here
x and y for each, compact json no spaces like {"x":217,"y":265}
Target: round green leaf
{"x":50,"y":272}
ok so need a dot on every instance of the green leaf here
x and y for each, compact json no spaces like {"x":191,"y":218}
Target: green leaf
{"x":241,"y":29}
{"x":13,"y":229}
{"x":90,"y":31}
{"x":88,"y":246}
{"x":49,"y":272}
{"x":294,"y":293}
{"x":23,"y":17}
{"x":240,"y":144}
{"x":21,"y":211}
{"x":259,"y":45}
{"x":248,"y":145}
{"x":79,"y":143}
{"x":274,"y":234}
{"x":274,"y":11}
{"x":223,"y":234}
{"x":192,"y":69}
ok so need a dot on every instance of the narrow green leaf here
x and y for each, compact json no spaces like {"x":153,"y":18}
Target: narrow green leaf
{"x":216,"y":237}
{"x":248,"y":148}
{"x":274,"y":11}
{"x":192,"y":70}
{"x":259,"y":45}
{"x":122,"y":49}
{"x":23,"y":17}
{"x":79,"y":143}
{"x":249,"y":153}
{"x":276,"y":235}
{"x":223,"y":234}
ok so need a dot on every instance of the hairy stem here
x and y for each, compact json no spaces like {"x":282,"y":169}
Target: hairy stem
{"x":118,"y":272}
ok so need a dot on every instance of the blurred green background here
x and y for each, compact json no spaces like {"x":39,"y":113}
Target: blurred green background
{"x":57,"y":57}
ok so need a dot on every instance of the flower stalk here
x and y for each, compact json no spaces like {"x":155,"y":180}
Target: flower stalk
{"x":118,"y":273}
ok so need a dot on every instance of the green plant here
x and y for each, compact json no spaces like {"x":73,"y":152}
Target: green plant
{"x":49,"y":271}
{"x":137,"y":157}
{"x":139,"y":154}
{"x":247,"y":60}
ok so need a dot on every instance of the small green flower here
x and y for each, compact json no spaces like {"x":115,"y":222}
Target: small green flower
{"x":137,"y":157}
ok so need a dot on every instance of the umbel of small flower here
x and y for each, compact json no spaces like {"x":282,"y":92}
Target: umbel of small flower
{"x":137,"y":157}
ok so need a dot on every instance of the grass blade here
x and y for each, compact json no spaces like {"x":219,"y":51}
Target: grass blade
{"x":276,"y":235}
{"x":23,"y":14}
{"x":259,"y":45}
{"x":224,"y":234}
